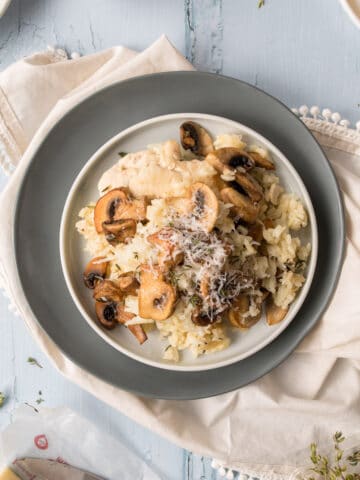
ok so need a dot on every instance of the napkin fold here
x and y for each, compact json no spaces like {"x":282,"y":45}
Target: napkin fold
{"x":265,"y":428}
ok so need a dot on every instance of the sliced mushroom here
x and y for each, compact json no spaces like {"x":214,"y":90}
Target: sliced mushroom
{"x":119,"y":231}
{"x":268,"y":223}
{"x":274,"y":314}
{"x":118,"y":205}
{"x":251,"y":187}
{"x":200,"y":318}
{"x":261,"y":161}
{"x":136,"y":330}
{"x":128,"y":284}
{"x":106,"y":314}
{"x":205,"y":205}
{"x":195,"y":138}
{"x":106,"y":206}
{"x":230,"y":157}
{"x":236,"y":313}
{"x":156,"y":297}
{"x":107,"y":291}
{"x":164,"y":241}
{"x":135,"y":209}
{"x":112,"y":313}
{"x":243,"y":208}
{"x":255,"y":231}
{"x":95,"y":272}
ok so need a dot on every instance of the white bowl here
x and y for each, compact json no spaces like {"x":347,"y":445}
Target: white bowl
{"x":74,"y":259}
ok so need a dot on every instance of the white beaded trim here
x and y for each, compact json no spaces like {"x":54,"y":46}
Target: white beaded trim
{"x":328,"y":123}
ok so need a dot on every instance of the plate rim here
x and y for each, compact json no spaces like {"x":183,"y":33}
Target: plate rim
{"x":97,"y":156}
{"x":307,"y":328}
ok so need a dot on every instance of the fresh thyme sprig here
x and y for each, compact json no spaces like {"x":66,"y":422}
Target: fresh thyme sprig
{"x":334,"y":468}
{"x":33,"y":361}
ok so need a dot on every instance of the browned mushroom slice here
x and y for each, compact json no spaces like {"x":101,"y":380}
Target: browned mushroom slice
{"x":237,"y":312}
{"x":128,"y":284}
{"x":205,"y":205}
{"x":230,"y":157}
{"x":164,"y":240}
{"x":107,"y":205}
{"x":136,"y":330}
{"x":255,"y":231}
{"x":119,"y":231}
{"x":200,"y":318}
{"x":261,"y":161}
{"x":243,"y":208}
{"x":249,"y":185}
{"x":195,"y":138}
{"x":156,"y":297}
{"x":274,"y":314}
{"x":95,"y":272}
{"x":107,"y":291}
{"x":268,"y":223}
{"x":135,"y":209}
{"x":106,"y":314}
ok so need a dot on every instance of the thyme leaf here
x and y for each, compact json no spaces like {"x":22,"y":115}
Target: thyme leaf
{"x":33,"y":361}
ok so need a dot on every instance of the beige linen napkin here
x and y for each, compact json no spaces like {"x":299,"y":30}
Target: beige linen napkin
{"x":263,"y":429}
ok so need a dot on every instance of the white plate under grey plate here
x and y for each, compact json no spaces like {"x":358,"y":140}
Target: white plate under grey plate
{"x":74,"y":258}
{"x":352,"y":8}
{"x":67,"y":148}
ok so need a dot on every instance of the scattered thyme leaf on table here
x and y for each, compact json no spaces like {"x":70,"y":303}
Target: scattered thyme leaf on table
{"x":2,"y":399}
{"x":33,"y":361}
{"x":261,"y":3}
{"x":335,"y":467}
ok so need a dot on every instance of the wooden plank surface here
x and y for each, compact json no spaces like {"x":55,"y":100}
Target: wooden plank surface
{"x":300,"y":51}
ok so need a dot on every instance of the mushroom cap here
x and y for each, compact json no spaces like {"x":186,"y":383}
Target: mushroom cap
{"x":169,"y":256}
{"x":261,"y":161}
{"x":236,"y":313}
{"x":107,"y":291}
{"x":195,"y":138}
{"x":274,"y":314}
{"x":244,"y":208}
{"x":136,"y":330}
{"x":119,"y":231}
{"x":106,"y":314}
{"x":106,"y":206}
{"x":156,"y":297}
{"x":118,"y":205}
{"x":205,"y":205}
{"x":95,"y":272}
{"x":128,"y":283}
{"x":248,"y":184}
{"x":230,"y":157}
{"x":201,"y":318}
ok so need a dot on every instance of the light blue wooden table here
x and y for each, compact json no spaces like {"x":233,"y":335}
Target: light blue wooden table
{"x":301,"y":51}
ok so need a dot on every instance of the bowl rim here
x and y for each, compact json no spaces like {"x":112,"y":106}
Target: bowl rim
{"x":98,"y":154}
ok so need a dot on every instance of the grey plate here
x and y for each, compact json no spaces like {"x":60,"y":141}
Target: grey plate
{"x":70,"y":144}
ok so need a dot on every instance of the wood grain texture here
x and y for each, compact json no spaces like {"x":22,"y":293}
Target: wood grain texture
{"x":300,"y":51}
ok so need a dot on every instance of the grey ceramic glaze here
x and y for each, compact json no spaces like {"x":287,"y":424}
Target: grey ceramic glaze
{"x":67,"y":148}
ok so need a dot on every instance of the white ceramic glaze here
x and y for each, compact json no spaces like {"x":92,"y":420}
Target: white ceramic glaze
{"x":74,"y":258}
